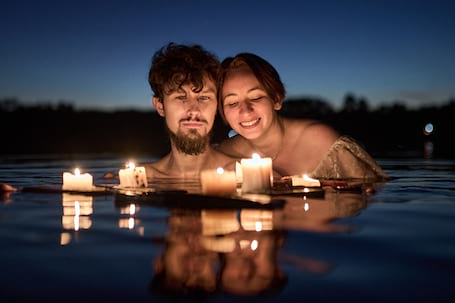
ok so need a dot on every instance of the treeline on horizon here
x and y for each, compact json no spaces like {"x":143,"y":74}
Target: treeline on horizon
{"x":58,"y":128}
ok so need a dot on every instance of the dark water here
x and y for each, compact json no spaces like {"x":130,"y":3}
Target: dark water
{"x":397,"y":245}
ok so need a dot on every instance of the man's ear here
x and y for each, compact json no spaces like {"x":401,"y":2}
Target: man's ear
{"x":159,"y":107}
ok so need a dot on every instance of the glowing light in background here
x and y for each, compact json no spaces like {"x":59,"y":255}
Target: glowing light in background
{"x":232,"y":133}
{"x":428,"y":129}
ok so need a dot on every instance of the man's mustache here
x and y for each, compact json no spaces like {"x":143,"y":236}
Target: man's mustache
{"x":196,"y":119}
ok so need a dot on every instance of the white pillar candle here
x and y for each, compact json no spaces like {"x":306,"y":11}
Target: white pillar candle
{"x":304,"y":180}
{"x":257,"y":174}
{"x":77,"y":181}
{"x":132,"y":176}
{"x":218,"y":182}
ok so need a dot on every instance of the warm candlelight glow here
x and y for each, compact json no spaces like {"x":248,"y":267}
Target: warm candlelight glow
{"x":218,"y":182}
{"x":258,"y":226}
{"x":132,"y":176}
{"x":257,"y":174}
{"x":254,"y":245}
{"x":255,"y":156}
{"x":77,"y":181}
{"x":132,"y":209}
{"x":305,"y":180}
{"x":76,"y":211}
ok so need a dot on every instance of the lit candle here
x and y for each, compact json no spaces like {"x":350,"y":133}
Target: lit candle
{"x":77,"y":181}
{"x":132,"y":176}
{"x":218,"y":182}
{"x":256,"y":174}
{"x":306,"y":181}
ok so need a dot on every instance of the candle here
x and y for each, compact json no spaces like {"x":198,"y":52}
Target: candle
{"x":132,"y":176}
{"x":256,"y":174}
{"x":77,"y":181}
{"x":304,"y":180}
{"x":218,"y":182}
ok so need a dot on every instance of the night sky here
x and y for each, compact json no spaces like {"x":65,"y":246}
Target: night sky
{"x":96,"y":54}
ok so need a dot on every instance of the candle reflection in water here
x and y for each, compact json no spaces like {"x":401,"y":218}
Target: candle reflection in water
{"x":76,"y":214}
{"x":130,"y":222}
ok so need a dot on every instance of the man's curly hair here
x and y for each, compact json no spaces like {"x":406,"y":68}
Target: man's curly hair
{"x":175,"y":65}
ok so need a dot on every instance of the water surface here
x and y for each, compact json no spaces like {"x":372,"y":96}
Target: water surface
{"x":397,"y":245}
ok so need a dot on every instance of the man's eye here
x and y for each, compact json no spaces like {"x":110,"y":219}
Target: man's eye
{"x":181,"y":98}
{"x":204,"y":98}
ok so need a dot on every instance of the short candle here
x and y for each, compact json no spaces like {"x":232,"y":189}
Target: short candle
{"x":305,"y":180}
{"x":132,"y":176}
{"x":218,"y":182}
{"x":257,"y":174}
{"x":77,"y":181}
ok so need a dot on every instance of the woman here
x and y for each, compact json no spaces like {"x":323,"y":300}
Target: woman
{"x":250,"y":94}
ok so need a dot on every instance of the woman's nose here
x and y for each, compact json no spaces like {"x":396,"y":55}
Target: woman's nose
{"x":246,"y":107}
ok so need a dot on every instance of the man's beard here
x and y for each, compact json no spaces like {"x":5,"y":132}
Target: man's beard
{"x":192,"y":143}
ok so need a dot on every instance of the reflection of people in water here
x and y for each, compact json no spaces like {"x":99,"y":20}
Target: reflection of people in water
{"x":238,"y":251}
{"x":319,"y":214}
{"x":252,"y":267}
{"x":202,"y":257}
{"x":185,"y":266}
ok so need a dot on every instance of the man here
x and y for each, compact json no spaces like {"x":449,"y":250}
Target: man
{"x":183,"y":80}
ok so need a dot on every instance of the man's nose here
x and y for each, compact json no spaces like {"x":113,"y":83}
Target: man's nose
{"x":193,"y":107}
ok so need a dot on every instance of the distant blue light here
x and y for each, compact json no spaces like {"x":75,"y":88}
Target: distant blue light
{"x":428,"y":129}
{"x":232,"y":133}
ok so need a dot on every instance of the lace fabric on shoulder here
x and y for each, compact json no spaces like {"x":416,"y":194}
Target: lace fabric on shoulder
{"x":346,"y":159}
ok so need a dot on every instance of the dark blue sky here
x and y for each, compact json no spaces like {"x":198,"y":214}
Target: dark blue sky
{"x":97,"y":53}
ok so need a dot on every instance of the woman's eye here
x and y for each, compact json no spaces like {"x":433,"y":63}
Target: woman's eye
{"x":231,"y":104}
{"x":256,"y":98}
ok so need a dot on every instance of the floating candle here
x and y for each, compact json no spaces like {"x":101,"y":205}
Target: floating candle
{"x":218,"y":182}
{"x":132,"y":176}
{"x":77,"y":181}
{"x":257,"y":174}
{"x":304,"y":180}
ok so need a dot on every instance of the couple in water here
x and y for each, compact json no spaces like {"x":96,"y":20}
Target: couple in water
{"x":190,"y":85}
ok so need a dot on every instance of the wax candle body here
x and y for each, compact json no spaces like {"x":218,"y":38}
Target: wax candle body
{"x":304,"y":180}
{"x":257,"y":175}
{"x":218,"y":182}
{"x":77,"y":181}
{"x":133,"y":176}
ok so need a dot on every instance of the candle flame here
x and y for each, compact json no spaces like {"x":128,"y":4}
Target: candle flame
{"x":255,"y":156}
{"x":77,"y":171}
{"x":130,"y":165}
{"x":219,"y":170}
{"x":307,"y":178}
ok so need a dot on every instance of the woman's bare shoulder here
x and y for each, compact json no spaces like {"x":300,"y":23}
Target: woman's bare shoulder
{"x":312,"y":129}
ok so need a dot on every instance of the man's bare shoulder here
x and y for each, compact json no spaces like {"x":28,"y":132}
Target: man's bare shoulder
{"x":156,"y":169}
